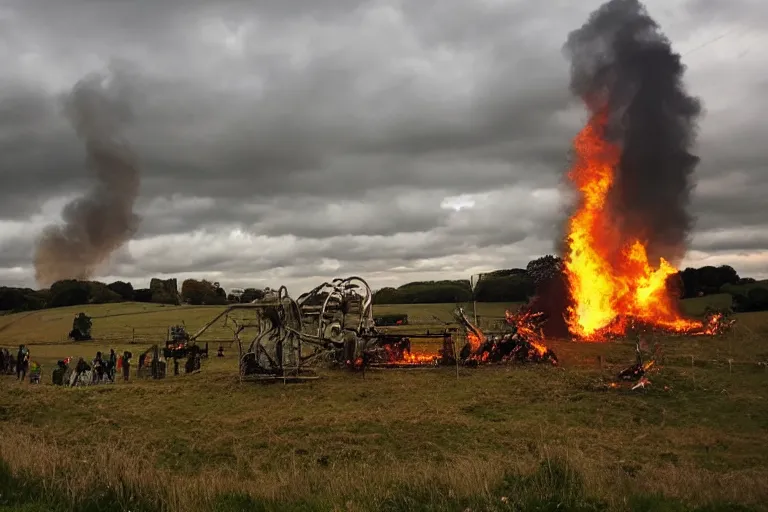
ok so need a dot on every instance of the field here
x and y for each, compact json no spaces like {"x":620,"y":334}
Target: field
{"x":495,"y":438}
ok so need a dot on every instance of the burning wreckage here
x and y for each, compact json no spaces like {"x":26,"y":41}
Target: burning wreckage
{"x":179,"y":347}
{"x":280,"y":338}
{"x":522,"y":341}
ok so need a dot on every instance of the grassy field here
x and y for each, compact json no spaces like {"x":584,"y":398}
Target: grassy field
{"x":495,"y":438}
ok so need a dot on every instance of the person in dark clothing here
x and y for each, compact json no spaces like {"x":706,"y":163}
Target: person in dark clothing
{"x":111,"y":365}
{"x":81,"y":368}
{"x":57,"y":376}
{"x":22,"y":362}
{"x":98,"y":368}
{"x":11,"y":364}
{"x":126,"y":365}
{"x":3,"y":361}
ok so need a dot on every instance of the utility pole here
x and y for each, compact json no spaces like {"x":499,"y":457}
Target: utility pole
{"x":473,"y":280}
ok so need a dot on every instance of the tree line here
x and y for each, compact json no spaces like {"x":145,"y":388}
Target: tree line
{"x":520,"y":285}
{"x":510,"y":285}
{"x":72,"y":292}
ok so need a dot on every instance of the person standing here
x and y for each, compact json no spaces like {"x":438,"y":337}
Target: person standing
{"x":111,"y":364}
{"x":80,"y":369}
{"x":22,"y":362}
{"x":126,"y":365}
{"x":98,"y":368}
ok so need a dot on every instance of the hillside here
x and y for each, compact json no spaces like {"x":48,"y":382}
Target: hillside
{"x":146,"y":322}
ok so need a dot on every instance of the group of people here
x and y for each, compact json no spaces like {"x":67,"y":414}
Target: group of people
{"x":18,"y":365}
{"x":101,"y":369}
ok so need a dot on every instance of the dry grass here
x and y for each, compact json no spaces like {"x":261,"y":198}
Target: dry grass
{"x":398,"y":440}
{"x":148,"y":322}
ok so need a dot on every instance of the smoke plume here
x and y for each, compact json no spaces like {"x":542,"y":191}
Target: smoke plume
{"x":102,"y":220}
{"x":622,"y":66}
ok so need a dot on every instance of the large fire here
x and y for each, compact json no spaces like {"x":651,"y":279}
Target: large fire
{"x":610,"y":286}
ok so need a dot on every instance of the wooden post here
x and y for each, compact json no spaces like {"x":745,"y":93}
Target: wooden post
{"x":133,"y":335}
{"x":456,"y":353}
{"x":693,"y":375}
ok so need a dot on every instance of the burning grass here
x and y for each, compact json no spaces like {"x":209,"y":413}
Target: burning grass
{"x":535,"y":435}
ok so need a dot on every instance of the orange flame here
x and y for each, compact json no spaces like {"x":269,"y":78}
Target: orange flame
{"x":474,"y":340}
{"x":418,"y":358}
{"x":610,"y":280}
{"x":525,"y":328}
{"x":407,"y":357}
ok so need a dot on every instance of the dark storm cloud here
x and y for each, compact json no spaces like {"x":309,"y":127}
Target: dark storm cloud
{"x":244,"y":110}
{"x":739,"y":240}
{"x":205,"y":133}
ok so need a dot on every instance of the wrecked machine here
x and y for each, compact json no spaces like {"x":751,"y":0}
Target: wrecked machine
{"x":180,"y":351}
{"x":282,"y":338}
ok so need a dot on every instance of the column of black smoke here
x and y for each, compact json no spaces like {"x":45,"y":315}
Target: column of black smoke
{"x":102,"y":220}
{"x":623,"y":66}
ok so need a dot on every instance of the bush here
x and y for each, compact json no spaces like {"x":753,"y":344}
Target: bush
{"x":756,"y":299}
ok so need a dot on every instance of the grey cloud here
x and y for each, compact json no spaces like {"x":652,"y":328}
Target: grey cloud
{"x":753,"y":13}
{"x":333,"y":101}
{"x":15,"y":251}
{"x":738,"y":241}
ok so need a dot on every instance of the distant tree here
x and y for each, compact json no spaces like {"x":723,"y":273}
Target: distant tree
{"x":426,"y":292}
{"x":251,"y":294}
{"x":101,"y":294}
{"x":691,"y":284}
{"x":707,"y":280}
{"x":69,"y":292}
{"x":505,"y":286}
{"x":125,"y":290}
{"x":22,"y":299}
{"x":727,"y":275}
{"x":202,"y":292}
{"x":193,"y":292}
{"x":386,"y":296}
{"x":142,"y":295}
{"x":164,"y":291}
{"x":545,"y":268}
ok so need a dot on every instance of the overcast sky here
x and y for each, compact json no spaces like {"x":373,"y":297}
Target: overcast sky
{"x":291,"y":141}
